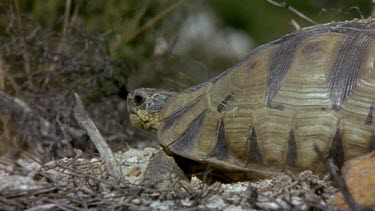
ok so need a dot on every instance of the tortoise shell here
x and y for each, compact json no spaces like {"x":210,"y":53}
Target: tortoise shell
{"x":264,"y":115}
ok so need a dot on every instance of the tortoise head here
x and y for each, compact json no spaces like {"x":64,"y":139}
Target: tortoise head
{"x":144,"y":106}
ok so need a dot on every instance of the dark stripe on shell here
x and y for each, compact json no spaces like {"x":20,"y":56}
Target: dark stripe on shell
{"x":178,"y":115}
{"x":337,"y":150}
{"x":220,"y":150}
{"x":283,"y":57}
{"x":224,"y":103}
{"x":347,"y":67}
{"x":298,"y":34}
{"x":291,"y":157}
{"x":369,"y":117}
{"x":255,"y":156}
{"x":280,"y":63}
{"x":188,"y":140}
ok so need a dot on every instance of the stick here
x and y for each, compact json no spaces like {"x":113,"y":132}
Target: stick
{"x":95,"y":136}
{"x":290,"y":8}
{"x":339,"y":180}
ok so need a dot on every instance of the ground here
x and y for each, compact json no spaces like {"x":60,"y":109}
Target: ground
{"x":80,"y":183}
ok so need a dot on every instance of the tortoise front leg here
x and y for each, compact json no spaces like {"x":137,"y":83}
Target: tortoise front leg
{"x":162,"y":171}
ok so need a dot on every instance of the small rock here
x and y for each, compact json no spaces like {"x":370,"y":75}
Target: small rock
{"x":137,"y":201}
{"x":215,"y":203}
{"x":134,"y":172}
{"x":234,"y":208}
{"x":132,"y":160}
{"x":95,"y":160}
{"x":186,"y":202}
{"x":165,"y":205}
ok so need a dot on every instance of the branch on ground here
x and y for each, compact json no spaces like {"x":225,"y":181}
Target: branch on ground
{"x":95,"y":136}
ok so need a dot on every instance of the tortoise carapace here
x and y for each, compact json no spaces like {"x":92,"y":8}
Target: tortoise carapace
{"x":264,"y":115}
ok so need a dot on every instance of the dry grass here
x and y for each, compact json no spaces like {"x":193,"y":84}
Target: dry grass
{"x":84,"y":184}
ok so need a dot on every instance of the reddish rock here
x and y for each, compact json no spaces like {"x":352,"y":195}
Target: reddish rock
{"x":359,"y":174}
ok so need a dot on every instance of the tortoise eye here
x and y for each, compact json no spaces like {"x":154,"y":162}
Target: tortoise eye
{"x":138,"y":99}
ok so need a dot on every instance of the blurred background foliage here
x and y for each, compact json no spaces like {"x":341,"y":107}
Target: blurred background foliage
{"x":122,"y":24}
{"x":104,"y":49}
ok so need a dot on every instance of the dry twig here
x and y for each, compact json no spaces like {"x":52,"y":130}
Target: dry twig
{"x":293,"y":10}
{"x":95,"y":136}
{"x":339,"y":180}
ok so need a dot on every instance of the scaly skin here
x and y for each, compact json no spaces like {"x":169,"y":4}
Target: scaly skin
{"x":144,"y":106}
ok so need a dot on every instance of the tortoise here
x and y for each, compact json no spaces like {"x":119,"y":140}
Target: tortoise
{"x":264,"y":115}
